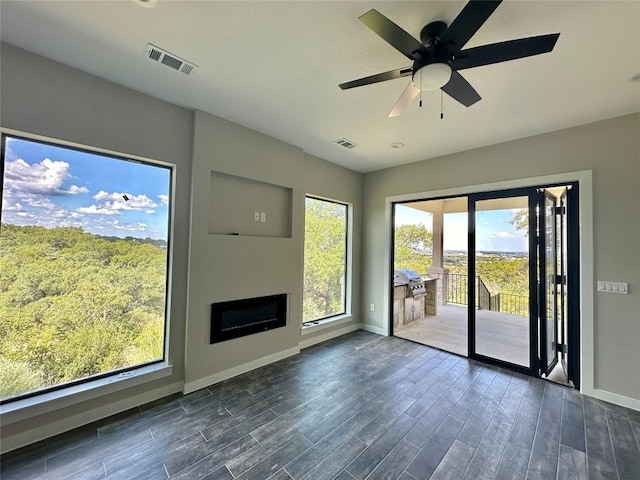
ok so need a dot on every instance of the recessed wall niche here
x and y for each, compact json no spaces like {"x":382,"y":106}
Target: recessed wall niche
{"x":235,"y":201}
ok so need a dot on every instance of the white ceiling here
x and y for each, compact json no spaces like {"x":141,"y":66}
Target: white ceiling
{"x":275,"y":67}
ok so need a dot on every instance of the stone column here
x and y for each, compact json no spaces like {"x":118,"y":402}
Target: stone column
{"x":437,"y":270}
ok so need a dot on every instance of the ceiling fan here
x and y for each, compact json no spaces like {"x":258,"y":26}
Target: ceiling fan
{"x":439,"y":54}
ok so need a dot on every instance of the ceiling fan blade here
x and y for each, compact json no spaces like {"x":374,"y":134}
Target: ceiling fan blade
{"x":380,"y":77}
{"x":391,"y":33}
{"x":459,"y":89}
{"x":504,"y":51}
{"x":405,"y":100}
{"x":468,"y":21}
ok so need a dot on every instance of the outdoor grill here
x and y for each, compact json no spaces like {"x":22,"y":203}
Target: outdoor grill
{"x":412,"y":279}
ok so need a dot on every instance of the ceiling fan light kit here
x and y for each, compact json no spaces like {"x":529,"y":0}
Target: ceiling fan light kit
{"x":432,"y":77}
{"x":439,"y":54}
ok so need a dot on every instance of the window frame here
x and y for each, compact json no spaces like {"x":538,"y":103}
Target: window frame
{"x":346,"y":300}
{"x":78,"y":390}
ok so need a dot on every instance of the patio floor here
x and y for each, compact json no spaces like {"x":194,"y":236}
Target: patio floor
{"x":499,"y":335}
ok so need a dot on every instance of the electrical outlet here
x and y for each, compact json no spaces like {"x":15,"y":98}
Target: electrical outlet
{"x":373,"y":307}
{"x":263,"y":217}
{"x":256,"y":216}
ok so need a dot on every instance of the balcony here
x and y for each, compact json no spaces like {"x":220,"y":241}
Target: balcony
{"x":502,"y":322}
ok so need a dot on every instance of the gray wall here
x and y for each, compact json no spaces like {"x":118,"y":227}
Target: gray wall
{"x":610,"y":149}
{"x":40,"y":96}
{"x":227,"y":267}
{"x":43,"y":97}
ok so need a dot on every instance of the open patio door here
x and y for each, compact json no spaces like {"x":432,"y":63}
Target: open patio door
{"x":548,"y":280}
{"x":558,"y":283}
{"x":503,"y":254}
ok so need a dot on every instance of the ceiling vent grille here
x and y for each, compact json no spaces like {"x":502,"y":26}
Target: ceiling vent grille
{"x":343,"y":142}
{"x":170,"y":60}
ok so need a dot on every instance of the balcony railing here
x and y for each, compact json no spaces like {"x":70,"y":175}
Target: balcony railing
{"x":458,"y":293}
{"x":458,"y":289}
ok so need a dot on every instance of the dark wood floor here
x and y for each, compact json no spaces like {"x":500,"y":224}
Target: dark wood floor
{"x":360,"y":406}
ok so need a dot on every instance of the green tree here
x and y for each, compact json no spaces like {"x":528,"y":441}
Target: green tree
{"x":325,"y":250}
{"x":73,"y":304}
{"x":520,"y":219}
{"x":413,"y":244}
{"x":17,"y":377}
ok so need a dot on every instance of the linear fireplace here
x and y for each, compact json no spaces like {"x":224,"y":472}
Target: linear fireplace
{"x":238,"y":318}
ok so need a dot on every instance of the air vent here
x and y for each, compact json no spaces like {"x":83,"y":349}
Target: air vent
{"x":343,"y":142}
{"x":170,"y":60}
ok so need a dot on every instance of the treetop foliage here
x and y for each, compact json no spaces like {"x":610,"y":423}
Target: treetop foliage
{"x":73,"y":305}
{"x":325,"y":250}
{"x":413,"y":245}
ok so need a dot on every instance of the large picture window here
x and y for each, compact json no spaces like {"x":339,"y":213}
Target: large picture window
{"x":325,"y":259}
{"x":83,"y":265}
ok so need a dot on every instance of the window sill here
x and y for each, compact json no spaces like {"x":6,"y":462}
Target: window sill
{"x":327,"y":323}
{"x":51,"y":401}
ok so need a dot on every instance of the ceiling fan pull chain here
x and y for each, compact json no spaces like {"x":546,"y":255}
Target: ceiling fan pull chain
{"x":441,"y":104}
{"x":420,"y":88}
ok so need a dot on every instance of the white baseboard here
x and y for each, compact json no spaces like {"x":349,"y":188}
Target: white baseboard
{"x":54,"y":428}
{"x":307,"y":342}
{"x":240,"y":369}
{"x":372,"y":329}
{"x":621,"y":400}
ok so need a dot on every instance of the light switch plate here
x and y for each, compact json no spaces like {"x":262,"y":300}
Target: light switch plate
{"x":263,"y":217}
{"x":613,"y":287}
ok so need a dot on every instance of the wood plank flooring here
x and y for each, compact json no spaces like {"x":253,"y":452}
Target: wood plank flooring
{"x":358,"y":407}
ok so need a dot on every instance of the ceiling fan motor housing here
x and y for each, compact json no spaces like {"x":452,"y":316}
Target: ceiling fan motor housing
{"x":432,"y":53}
{"x":431,"y":33}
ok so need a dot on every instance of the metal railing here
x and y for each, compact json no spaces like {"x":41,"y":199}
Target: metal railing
{"x":458,"y":293}
{"x":458,"y":289}
{"x":514,"y":304}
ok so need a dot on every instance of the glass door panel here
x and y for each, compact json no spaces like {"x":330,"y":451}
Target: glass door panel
{"x":502,"y":279}
{"x":548,"y":249}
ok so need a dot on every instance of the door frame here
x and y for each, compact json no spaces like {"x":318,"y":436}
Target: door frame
{"x":581,"y":291}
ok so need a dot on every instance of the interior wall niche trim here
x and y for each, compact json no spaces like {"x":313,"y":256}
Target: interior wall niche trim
{"x":235,"y":201}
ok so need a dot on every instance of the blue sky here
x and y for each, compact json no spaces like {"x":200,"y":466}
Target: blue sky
{"x":493,"y":230}
{"x":53,"y":186}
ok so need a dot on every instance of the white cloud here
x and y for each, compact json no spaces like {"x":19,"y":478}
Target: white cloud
{"x":44,"y":178}
{"x":15,"y":207}
{"x":164,"y":199}
{"x":503,"y":235}
{"x":115,"y":203}
{"x":101,"y":195}
{"x":64,"y":213}
{"x":40,"y":202}
{"x":74,"y":190}
{"x":128,"y":227}
{"x":96,"y":210}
